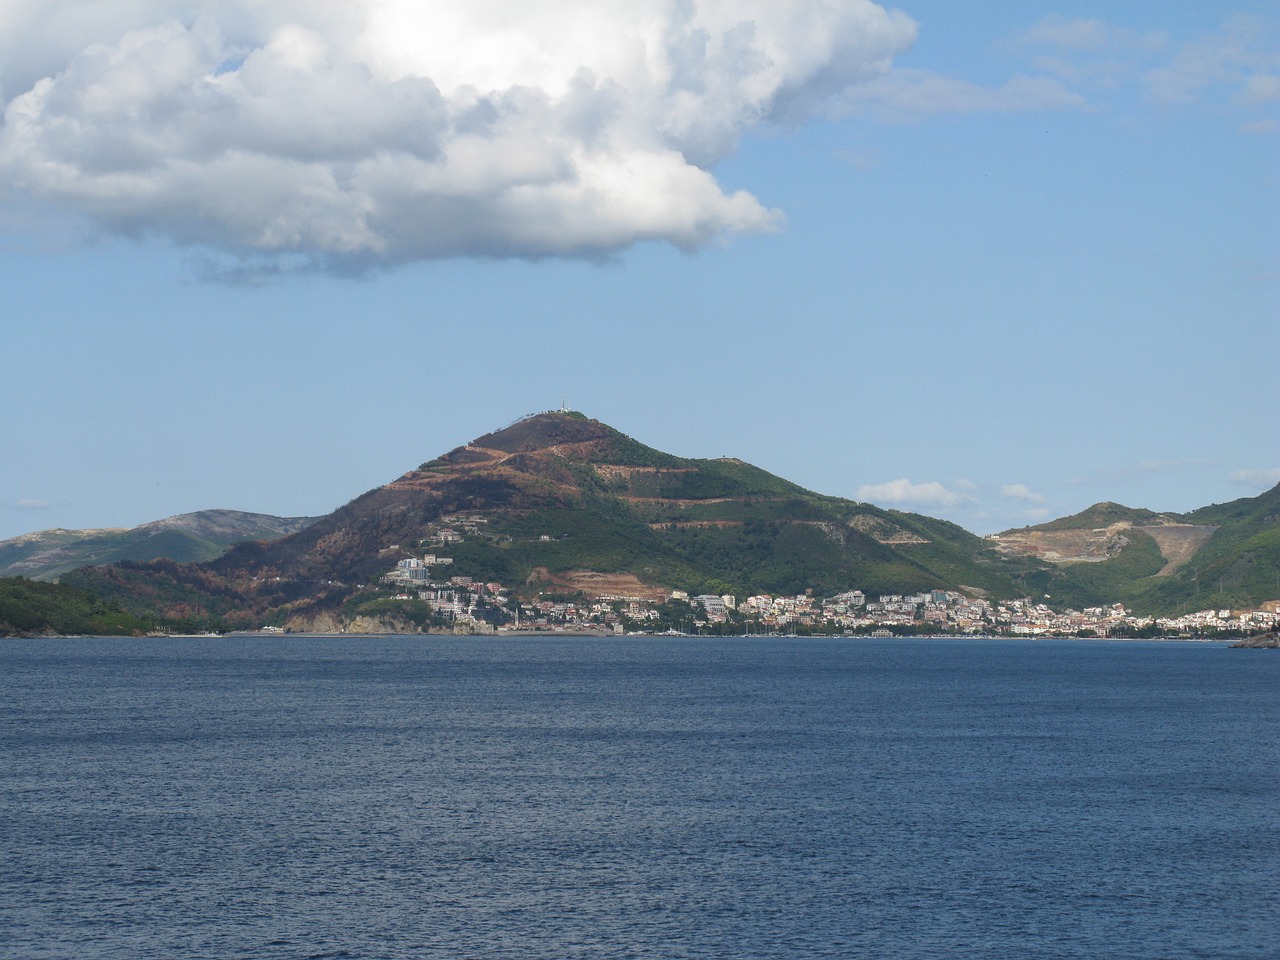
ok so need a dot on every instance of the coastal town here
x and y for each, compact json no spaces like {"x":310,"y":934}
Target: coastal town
{"x":460,"y":604}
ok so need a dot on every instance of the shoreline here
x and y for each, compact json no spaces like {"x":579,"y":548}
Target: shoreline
{"x":1234,"y":641}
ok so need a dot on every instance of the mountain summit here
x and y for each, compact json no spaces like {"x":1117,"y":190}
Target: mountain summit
{"x":569,"y":432}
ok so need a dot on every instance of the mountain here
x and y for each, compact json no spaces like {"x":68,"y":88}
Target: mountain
{"x":1219,"y":556}
{"x":561,"y":504}
{"x":188,"y":537}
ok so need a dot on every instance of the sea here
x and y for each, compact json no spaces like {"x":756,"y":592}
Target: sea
{"x":544,"y":797}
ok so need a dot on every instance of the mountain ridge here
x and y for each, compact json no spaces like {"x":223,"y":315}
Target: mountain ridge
{"x":189,"y":537}
{"x":560,"y":503}
{"x":1159,"y":560}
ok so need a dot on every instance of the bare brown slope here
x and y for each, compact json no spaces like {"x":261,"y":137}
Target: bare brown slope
{"x":1178,"y":542}
{"x":523,"y":467}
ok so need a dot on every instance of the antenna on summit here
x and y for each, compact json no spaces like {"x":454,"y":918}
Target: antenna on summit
{"x":564,"y":407}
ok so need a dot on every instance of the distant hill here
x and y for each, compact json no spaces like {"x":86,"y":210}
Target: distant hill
{"x":560,"y":504}
{"x":1219,"y":556}
{"x":1099,"y":515}
{"x":188,"y":537}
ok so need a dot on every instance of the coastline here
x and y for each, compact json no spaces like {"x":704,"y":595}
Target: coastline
{"x":1249,"y":643}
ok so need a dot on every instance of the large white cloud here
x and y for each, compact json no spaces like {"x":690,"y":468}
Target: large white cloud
{"x":1020,"y":491}
{"x":904,"y":493}
{"x":394,"y":130}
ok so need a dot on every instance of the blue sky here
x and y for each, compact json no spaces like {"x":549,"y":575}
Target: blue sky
{"x":992,"y":266}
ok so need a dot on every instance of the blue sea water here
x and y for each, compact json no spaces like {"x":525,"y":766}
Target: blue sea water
{"x":638,"y":798}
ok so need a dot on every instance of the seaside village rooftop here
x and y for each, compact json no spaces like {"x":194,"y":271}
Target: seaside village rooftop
{"x":469,"y":605}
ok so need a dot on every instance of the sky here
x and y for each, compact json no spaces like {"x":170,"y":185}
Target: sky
{"x":990,"y":262}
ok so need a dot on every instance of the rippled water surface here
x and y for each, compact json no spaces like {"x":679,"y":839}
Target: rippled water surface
{"x":556,"y":798}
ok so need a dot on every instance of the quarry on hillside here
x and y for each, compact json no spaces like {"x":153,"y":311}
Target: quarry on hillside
{"x":1178,"y":542}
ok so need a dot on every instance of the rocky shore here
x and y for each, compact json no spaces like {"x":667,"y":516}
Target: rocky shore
{"x":1260,"y":641}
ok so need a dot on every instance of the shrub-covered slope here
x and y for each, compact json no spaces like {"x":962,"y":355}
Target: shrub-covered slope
{"x":557,"y":498}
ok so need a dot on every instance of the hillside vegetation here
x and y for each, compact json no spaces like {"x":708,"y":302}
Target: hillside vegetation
{"x":561,"y":504}
{"x":29,"y":608}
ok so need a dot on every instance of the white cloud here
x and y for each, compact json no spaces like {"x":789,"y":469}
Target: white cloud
{"x":1235,"y":64}
{"x":32,"y":504}
{"x":905,"y":493}
{"x":1258,"y":479}
{"x":1262,"y":88}
{"x":390,"y":130}
{"x":1020,"y":491}
{"x":1235,"y":57}
{"x":1087,"y":53}
{"x":908,"y":93}
{"x":1260,"y":127}
{"x":1092,"y":35}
